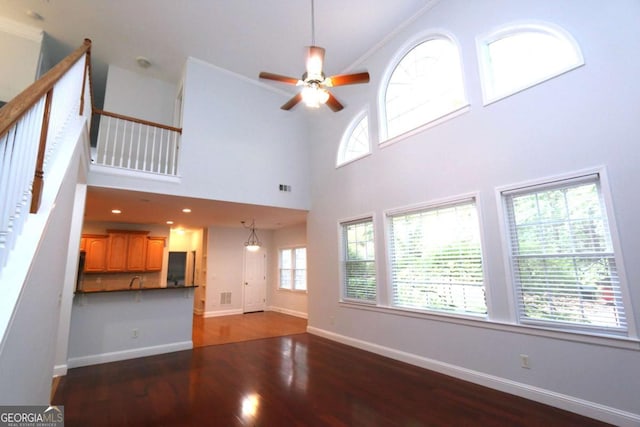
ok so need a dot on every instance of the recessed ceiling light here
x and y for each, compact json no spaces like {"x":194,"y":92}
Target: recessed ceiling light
{"x":186,"y":210}
{"x":169,"y":222}
{"x":116,"y":211}
{"x":143,"y":62}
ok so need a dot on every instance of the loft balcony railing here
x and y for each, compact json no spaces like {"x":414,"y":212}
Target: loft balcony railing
{"x":135,"y":144}
{"x":33,"y":123}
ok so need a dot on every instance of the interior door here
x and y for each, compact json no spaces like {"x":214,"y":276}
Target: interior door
{"x":255,"y":281}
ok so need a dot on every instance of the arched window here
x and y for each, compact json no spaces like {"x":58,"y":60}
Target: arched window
{"x":425,"y":85}
{"x":355,"y":142}
{"x":518,"y":57}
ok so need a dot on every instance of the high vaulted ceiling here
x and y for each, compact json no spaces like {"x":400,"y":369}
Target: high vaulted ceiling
{"x":242,"y":36}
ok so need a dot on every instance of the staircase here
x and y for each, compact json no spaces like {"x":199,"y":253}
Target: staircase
{"x":44,"y":152}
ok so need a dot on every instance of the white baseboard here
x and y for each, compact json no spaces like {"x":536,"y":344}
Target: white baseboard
{"x":60,"y":370}
{"x":222,"y":312}
{"x":548,"y":397}
{"x":289,"y":312}
{"x":95,"y":359}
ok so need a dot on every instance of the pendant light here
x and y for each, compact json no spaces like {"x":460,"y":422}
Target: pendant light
{"x":253,"y":243}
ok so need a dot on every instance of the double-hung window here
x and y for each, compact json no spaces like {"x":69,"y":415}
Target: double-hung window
{"x":293,"y":269}
{"x":562,"y":258}
{"x":436,"y":259}
{"x":359,"y":263}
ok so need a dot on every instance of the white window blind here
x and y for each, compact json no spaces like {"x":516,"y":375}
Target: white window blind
{"x":562,"y":257}
{"x":436,"y":259}
{"x":359,"y":261}
{"x":293,"y":269}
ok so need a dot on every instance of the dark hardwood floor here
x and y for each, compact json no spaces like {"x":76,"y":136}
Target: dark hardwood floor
{"x":296,"y":380}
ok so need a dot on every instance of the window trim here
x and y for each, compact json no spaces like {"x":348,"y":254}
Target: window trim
{"x":405,"y":48}
{"x":279,"y":287}
{"x":342,"y":256}
{"x":482,"y":52}
{"x":346,"y":137}
{"x":549,"y":182}
{"x":436,"y":204}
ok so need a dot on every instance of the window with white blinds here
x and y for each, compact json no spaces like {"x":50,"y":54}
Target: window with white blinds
{"x":562,"y":257}
{"x":293,"y":269}
{"x":359,"y":268}
{"x":436,"y":259}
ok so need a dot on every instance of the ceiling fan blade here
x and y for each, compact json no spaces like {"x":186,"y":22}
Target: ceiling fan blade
{"x":348,"y":79}
{"x":333,"y":103}
{"x":315,"y":61}
{"x":292,"y":102}
{"x":279,"y":78}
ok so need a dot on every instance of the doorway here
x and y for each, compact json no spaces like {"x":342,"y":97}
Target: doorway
{"x":255,"y":281}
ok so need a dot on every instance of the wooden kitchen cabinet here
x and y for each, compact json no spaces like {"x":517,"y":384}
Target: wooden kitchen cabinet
{"x":95,"y":247}
{"x":155,"y":253}
{"x":122,"y":251}
{"x":117,"y":252}
{"x":136,"y":252}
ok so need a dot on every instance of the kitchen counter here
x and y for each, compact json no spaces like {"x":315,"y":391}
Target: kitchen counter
{"x":122,"y":323}
{"x":133,"y":289}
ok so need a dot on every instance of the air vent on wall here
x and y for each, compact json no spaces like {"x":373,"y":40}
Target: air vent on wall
{"x":225,"y":298}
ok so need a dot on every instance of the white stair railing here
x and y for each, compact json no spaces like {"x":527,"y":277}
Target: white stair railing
{"x":30,"y":125}
{"x":135,"y":144}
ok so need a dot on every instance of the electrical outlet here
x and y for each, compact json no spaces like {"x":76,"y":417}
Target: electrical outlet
{"x":524,"y":361}
{"x":134,"y":333}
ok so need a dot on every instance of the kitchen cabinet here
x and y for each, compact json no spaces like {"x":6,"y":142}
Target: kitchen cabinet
{"x":95,"y":247}
{"x":155,"y":253}
{"x":122,"y":251}
{"x":137,"y":252}
{"x":117,"y":252}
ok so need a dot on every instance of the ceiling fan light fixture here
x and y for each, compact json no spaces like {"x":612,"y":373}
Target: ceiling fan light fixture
{"x":313,"y":96}
{"x":314,"y":67}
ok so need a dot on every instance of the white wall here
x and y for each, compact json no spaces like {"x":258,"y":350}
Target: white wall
{"x":134,"y":94}
{"x":19,"y":46}
{"x":583,"y":119}
{"x":237,"y":145}
{"x":289,"y":302}
{"x":103,"y":324}
{"x":225,"y":267}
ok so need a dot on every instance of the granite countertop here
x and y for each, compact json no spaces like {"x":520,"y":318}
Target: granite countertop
{"x":133,"y":289}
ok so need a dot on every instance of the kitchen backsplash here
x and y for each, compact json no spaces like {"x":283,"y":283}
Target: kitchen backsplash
{"x":117,"y":281}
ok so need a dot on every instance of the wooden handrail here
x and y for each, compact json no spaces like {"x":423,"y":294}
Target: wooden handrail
{"x":38,"y":177}
{"x":18,"y":106}
{"x":133,"y":119}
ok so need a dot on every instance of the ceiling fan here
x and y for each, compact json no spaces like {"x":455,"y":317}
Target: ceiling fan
{"x":314,"y":82}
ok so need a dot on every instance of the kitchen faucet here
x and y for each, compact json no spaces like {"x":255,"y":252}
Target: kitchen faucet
{"x":134,"y":279}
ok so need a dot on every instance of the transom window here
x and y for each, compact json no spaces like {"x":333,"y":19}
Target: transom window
{"x":562,"y":258}
{"x":355,"y":142}
{"x":359,"y":265}
{"x":436,"y":259}
{"x":425,"y":85}
{"x":514,"y":59}
{"x":293,"y":269}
